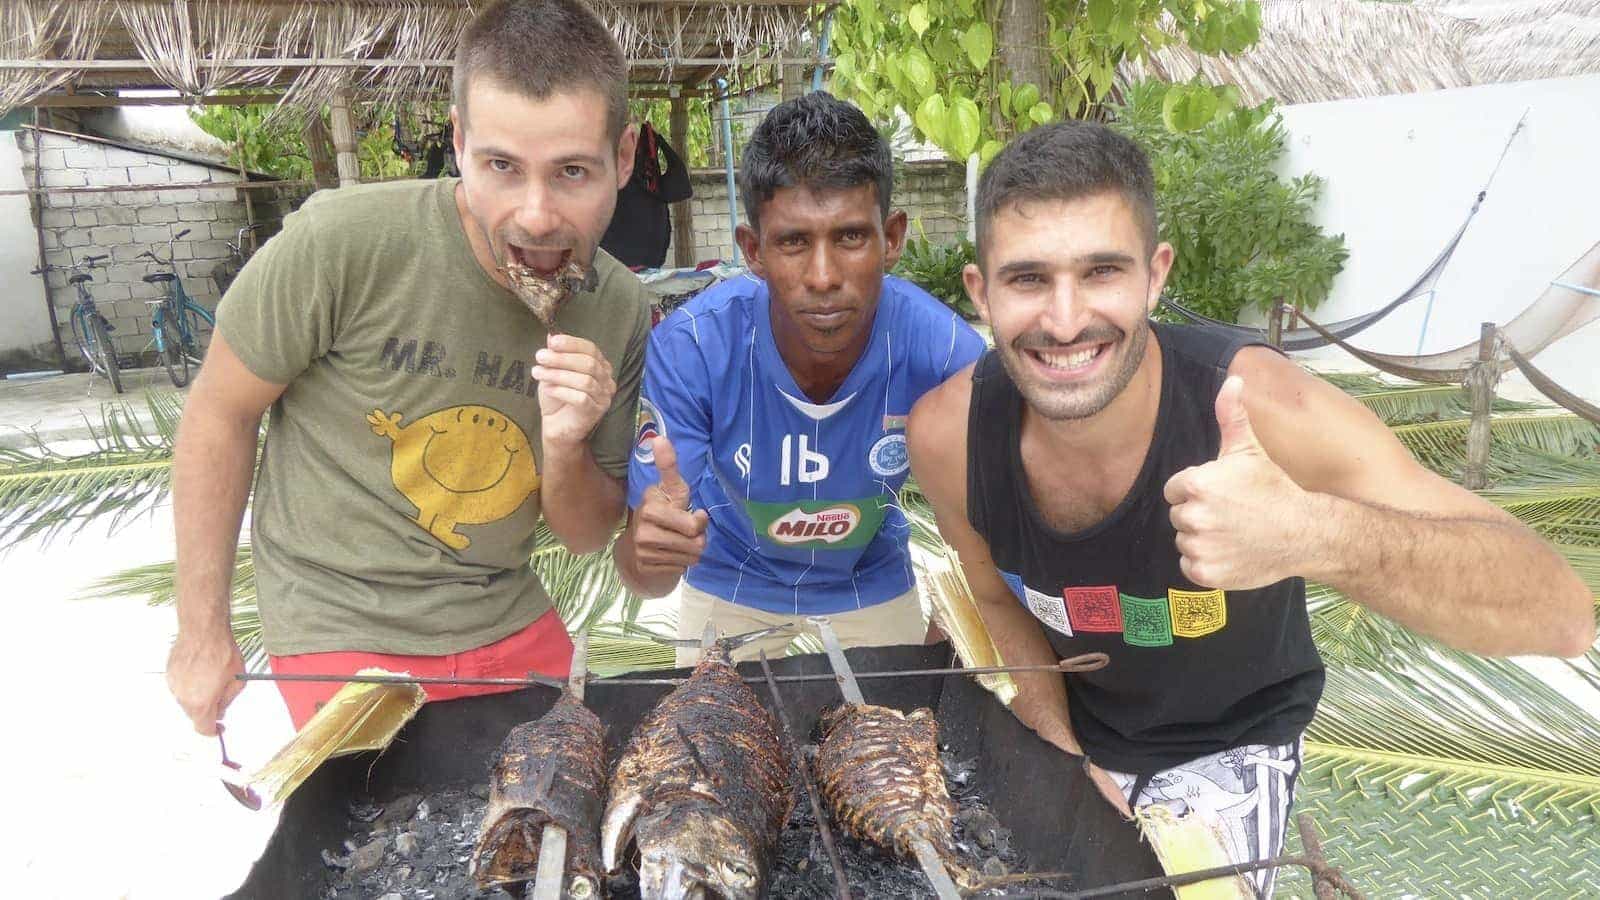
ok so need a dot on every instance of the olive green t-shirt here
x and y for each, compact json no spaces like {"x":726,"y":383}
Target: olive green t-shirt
{"x":398,"y":491}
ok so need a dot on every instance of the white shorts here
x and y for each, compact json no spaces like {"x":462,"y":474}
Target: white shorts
{"x":1247,"y":790}
{"x":899,"y":620}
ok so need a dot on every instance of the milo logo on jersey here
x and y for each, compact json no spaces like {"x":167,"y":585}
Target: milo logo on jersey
{"x":817,"y":524}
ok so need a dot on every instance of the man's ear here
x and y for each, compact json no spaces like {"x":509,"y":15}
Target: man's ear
{"x":627,"y":144}
{"x":1160,"y":268}
{"x":894,"y":237}
{"x":458,"y":137}
{"x":750,"y":245}
{"x":972,"y":280}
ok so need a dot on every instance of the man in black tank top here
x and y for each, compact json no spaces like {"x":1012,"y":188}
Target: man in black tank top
{"x":1161,"y":493}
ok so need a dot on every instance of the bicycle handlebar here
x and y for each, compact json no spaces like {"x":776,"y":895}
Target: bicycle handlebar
{"x":91,"y":260}
{"x":179,"y":235}
{"x":88,"y":262}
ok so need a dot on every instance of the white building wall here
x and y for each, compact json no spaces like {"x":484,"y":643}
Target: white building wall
{"x":24,"y":319}
{"x":1401,"y":174}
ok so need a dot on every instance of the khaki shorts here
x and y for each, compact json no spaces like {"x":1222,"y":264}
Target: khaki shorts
{"x":896,"y":621}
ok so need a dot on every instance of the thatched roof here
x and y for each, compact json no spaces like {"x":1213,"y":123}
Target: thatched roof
{"x":1315,"y":50}
{"x":310,"y":48}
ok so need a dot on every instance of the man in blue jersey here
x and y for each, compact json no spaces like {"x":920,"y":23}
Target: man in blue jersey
{"x":771,"y":442}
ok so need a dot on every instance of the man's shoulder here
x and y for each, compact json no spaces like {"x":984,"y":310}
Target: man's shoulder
{"x":941,"y":414}
{"x":360,"y":206}
{"x":720,"y":314}
{"x":910,"y":304}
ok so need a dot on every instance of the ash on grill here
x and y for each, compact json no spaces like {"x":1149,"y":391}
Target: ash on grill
{"x":416,"y":847}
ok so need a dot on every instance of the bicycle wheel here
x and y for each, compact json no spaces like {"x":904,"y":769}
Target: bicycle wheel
{"x":106,"y":351}
{"x":173,"y":356}
{"x":200,"y":325}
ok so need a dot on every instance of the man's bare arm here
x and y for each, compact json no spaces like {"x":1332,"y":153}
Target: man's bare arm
{"x":1340,"y":501}
{"x":212,"y":468}
{"x":936,"y":439}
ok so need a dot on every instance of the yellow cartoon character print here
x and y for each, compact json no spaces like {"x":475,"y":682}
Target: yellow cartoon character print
{"x":465,"y":465}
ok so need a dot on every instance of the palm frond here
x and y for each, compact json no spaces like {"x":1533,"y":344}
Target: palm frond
{"x":157,"y":585}
{"x":1354,"y":383}
{"x":45,"y":493}
{"x":1524,"y":449}
{"x":1413,"y":403}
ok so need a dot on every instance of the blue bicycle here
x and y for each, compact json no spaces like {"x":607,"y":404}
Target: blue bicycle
{"x":178,"y":325}
{"x":90,"y":330}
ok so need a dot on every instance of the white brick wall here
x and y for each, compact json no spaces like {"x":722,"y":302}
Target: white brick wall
{"x":933,"y":194}
{"x":124,"y":224}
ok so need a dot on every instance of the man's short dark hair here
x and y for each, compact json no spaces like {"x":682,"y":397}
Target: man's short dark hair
{"x":1068,"y":161}
{"x":540,"y":47}
{"x":817,"y":142}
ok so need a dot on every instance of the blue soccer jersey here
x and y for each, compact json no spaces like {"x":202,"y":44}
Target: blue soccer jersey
{"x":802,"y":496}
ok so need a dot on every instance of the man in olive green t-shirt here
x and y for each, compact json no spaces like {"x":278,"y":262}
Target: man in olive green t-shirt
{"x":421,"y":418}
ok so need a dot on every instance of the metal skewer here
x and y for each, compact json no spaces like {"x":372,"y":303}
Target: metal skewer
{"x":1087,"y":662}
{"x":841,"y":883}
{"x":550,"y":874}
{"x":927,"y":856}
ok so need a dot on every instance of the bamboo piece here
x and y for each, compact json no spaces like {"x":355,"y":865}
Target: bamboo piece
{"x":1480,"y":382}
{"x":344,"y":140}
{"x":683,"y":210}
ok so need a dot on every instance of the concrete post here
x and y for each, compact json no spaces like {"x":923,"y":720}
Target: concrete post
{"x":1480,"y":382}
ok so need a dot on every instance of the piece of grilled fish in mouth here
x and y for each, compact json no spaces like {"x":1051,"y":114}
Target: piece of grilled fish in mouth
{"x":550,"y":771}
{"x":544,"y":294}
{"x":702,"y":790}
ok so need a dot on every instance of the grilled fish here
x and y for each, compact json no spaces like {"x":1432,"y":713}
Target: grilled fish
{"x":879,"y":772}
{"x":703,"y":789}
{"x":550,"y":771}
{"x":544,"y":296}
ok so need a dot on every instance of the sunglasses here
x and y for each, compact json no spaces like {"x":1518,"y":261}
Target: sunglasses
{"x":246,"y":796}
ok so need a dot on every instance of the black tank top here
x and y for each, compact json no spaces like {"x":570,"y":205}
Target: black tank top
{"x":1193,"y":671}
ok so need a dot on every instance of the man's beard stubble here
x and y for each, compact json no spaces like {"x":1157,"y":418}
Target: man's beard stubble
{"x":1059,"y":404}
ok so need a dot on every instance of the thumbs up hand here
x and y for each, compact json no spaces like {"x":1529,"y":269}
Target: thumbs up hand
{"x":1236,"y":516}
{"x":670,"y":535}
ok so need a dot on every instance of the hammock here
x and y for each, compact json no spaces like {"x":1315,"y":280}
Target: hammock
{"x":1548,"y":387}
{"x":1313,"y":337}
{"x":1567,"y":304}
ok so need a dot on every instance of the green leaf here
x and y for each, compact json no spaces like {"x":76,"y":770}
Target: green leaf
{"x":931,"y":116}
{"x":1024,"y":97}
{"x":978,"y":41}
{"x":919,"y":71}
{"x":1005,"y":95}
{"x":1188,"y":107}
{"x":1101,"y":13}
{"x":963,"y":126}
{"x":918,"y":18}
{"x":988,"y":151}
{"x":967,"y":7}
{"x":1041,"y":113}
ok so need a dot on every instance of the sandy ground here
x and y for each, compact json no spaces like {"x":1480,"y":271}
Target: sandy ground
{"x":110,"y":793}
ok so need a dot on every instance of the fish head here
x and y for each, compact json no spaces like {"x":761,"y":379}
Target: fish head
{"x":695,"y":854}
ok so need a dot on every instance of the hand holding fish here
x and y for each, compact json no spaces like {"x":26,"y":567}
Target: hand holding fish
{"x":575,"y":390}
{"x":200,"y":674}
{"x":671,"y":537}
{"x":1236,"y":515}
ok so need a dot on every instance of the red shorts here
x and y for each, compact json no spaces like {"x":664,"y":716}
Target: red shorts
{"x":542,"y":647}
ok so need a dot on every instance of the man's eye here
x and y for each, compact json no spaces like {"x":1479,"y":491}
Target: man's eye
{"x":500,"y":165}
{"x":853,"y":237}
{"x":1026,"y":278}
{"x":574,"y":172}
{"x":1105,"y":271}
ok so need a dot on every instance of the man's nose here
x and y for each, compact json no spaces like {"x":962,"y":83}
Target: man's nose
{"x":1066,"y":314}
{"x":537,"y":214}
{"x":822,"y":271}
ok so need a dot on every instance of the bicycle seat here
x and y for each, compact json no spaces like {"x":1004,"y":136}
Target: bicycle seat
{"x":80,"y":278}
{"x":159,"y":277}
